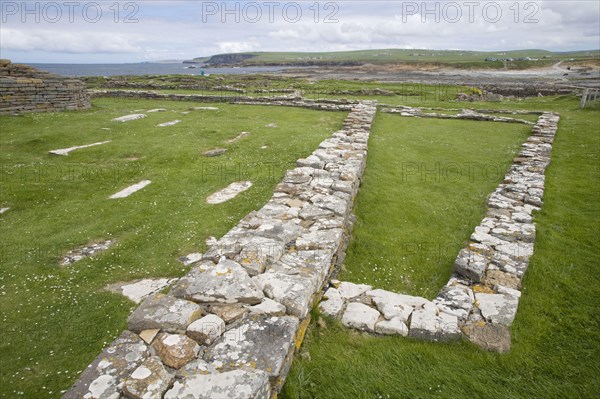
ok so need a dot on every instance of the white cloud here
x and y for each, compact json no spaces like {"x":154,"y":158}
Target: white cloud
{"x":236,"y":47}
{"x":66,"y":42}
{"x":168,"y":30}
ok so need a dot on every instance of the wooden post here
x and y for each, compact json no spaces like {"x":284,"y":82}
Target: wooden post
{"x":583,"y":98}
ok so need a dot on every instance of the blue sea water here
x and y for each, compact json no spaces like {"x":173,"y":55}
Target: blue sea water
{"x":77,"y":70}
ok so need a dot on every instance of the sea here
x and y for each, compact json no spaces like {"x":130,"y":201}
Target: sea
{"x":79,"y":70}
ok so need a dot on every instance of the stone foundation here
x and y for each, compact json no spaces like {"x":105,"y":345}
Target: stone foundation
{"x":481,"y":298}
{"x":231,"y":326}
{"x":26,"y":89}
{"x":289,"y":101}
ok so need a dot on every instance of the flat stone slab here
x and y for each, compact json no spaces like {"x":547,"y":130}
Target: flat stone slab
{"x":164,"y":312}
{"x":215,"y":152}
{"x":497,"y":308}
{"x":130,"y":190}
{"x":229,"y":192}
{"x":139,"y":289}
{"x":360,"y":316}
{"x":2,"y":210}
{"x":127,"y":118}
{"x":66,"y":151}
{"x":235,"y":384}
{"x":227,"y":283}
{"x":259,"y":342}
{"x":170,"y":123}
{"x":105,"y":375}
{"x":150,"y":111}
{"x":238,"y":137}
{"x":203,"y":108}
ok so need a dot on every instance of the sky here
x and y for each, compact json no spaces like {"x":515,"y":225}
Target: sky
{"x":72,"y":31}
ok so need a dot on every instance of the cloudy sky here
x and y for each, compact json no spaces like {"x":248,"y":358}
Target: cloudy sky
{"x":114,"y":31}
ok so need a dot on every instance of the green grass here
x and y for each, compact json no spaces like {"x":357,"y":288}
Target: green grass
{"x":453,"y":58}
{"x":556,"y":334}
{"x":56,"y":320}
{"x":433,"y":170}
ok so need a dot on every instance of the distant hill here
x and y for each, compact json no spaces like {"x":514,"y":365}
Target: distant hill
{"x":456,"y":58}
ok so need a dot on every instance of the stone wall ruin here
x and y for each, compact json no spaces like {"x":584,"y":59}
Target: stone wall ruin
{"x":27,"y":89}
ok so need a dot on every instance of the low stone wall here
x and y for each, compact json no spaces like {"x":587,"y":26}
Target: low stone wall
{"x":481,"y":298}
{"x":289,"y":101}
{"x":230,"y":327}
{"x":465,"y":113}
{"x":26,"y":89}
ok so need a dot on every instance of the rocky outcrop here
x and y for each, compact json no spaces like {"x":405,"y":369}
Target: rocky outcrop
{"x":228,"y":59}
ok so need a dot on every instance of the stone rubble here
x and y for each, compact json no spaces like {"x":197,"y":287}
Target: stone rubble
{"x":469,"y":114}
{"x":130,"y":190}
{"x":66,"y":151}
{"x":88,"y":250}
{"x":260,"y":280}
{"x":481,"y":298}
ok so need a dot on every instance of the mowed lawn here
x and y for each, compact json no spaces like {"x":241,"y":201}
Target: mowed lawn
{"x":55,"y":320}
{"x":407,"y":235}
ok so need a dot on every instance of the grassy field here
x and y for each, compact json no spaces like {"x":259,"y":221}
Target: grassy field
{"x":423,"y":193}
{"x":452,"y":58}
{"x":55,"y":320}
{"x":556,"y":334}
